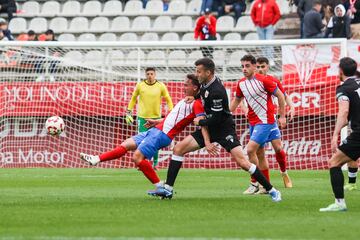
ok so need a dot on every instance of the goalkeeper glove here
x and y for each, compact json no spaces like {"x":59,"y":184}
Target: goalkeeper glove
{"x":129,"y":119}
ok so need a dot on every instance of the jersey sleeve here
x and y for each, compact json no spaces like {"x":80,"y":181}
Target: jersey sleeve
{"x":239,"y":93}
{"x":279,"y":85}
{"x":166,"y":95}
{"x":342,"y":94}
{"x":269,"y":85}
{"x":134,"y":97}
{"x":198,"y":108}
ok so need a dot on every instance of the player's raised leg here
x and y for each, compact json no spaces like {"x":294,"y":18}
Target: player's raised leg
{"x":128,"y":145}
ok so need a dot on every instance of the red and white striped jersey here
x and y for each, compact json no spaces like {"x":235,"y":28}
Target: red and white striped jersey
{"x":258,"y":93}
{"x":180,"y":116}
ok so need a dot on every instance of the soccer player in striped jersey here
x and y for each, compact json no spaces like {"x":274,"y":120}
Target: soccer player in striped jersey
{"x":258,"y":90}
{"x":262,"y":65}
{"x":146,"y":144}
{"x":150,"y":91}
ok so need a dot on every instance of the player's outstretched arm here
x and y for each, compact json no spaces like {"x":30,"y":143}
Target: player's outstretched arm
{"x":290,"y":103}
{"x":341,"y":121}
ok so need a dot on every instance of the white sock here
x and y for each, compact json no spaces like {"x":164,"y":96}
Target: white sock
{"x":340,"y":201}
{"x":168,"y":187}
{"x":272,"y":190}
{"x":283,"y":172}
{"x":252,"y":169}
{"x":159,"y":184}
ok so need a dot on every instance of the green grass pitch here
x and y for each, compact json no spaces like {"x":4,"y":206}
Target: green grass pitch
{"x":102,"y":204}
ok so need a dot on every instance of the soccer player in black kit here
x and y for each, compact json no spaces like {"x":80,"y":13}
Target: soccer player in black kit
{"x":221,"y":127}
{"x":348,"y":96}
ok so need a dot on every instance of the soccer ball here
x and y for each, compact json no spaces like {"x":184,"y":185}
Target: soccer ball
{"x":55,"y":125}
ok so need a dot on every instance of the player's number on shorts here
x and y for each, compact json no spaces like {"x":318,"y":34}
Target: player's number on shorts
{"x":358,"y":91}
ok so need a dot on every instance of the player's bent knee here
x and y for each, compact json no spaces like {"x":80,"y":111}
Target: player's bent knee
{"x":137,"y":157}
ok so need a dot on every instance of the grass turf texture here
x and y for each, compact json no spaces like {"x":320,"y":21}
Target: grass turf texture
{"x":112,"y":204}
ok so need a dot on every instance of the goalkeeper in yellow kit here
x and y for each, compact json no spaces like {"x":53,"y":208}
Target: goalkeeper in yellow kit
{"x":150,"y":92}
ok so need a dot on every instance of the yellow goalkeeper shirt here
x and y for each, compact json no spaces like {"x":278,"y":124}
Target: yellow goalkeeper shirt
{"x":150,"y":99}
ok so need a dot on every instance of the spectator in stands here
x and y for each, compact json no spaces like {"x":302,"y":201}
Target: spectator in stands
{"x":31,"y":36}
{"x":265,"y":14}
{"x":313,"y":24}
{"x":303,"y":7}
{"x":3,"y":37}
{"x":50,"y":35}
{"x":227,"y":6}
{"x":205,"y":29}
{"x":9,"y":7}
{"x":4,"y":27}
{"x":354,"y":14}
{"x":339,"y":24}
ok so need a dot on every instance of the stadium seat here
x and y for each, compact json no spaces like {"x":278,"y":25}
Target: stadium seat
{"x":30,"y":9}
{"x":93,"y":58}
{"x":91,"y":9}
{"x":194,"y":7}
{"x":87,"y":37}
{"x":66,"y":37}
{"x":74,"y":57}
{"x":235,"y":57}
{"x":177,"y":57}
{"x":219,"y":57}
{"x":232,"y":37}
{"x":130,"y":37}
{"x":245,"y":24}
{"x":50,"y":9}
{"x":58,"y":24}
{"x":39,"y":24}
{"x":153,"y":37}
{"x":188,"y":37}
{"x":177,"y":7}
{"x":79,"y":25}
{"x":71,"y":9}
{"x":133,"y":8}
{"x":18,"y":25}
{"x":112,"y":8}
{"x":141,"y":24}
{"x":225,"y":24}
{"x":284,"y":7}
{"x":108,"y":37}
{"x":99,"y":24}
{"x":156,"y":57}
{"x":132,"y":57}
{"x":218,"y":36}
{"x":154,"y":8}
{"x":170,"y":37}
{"x":162,"y":24}
{"x":193,"y":56}
{"x":120,"y":24}
{"x":117,"y":57}
{"x":183,"y":24}
{"x":251,"y":36}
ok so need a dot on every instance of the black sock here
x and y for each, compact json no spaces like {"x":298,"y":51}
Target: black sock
{"x":261,"y":179}
{"x":337,"y":181}
{"x":352,"y":179}
{"x":172,"y":172}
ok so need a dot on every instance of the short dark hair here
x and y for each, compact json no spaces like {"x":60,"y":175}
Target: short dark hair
{"x":31,"y":33}
{"x":317,"y":2}
{"x":150,"y":69}
{"x":207,"y":63}
{"x":348,"y":66}
{"x":262,"y":60}
{"x":49,"y":31}
{"x":194,"y":80}
{"x":249,"y":58}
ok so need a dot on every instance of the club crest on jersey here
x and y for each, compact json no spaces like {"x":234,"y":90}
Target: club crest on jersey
{"x":229,"y":138}
{"x":206,"y":93}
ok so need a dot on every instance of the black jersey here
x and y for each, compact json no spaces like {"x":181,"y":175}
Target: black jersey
{"x":216,"y":104}
{"x":350,"y":91}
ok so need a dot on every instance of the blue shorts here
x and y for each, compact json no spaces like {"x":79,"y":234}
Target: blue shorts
{"x":151,"y":141}
{"x":263,"y":133}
